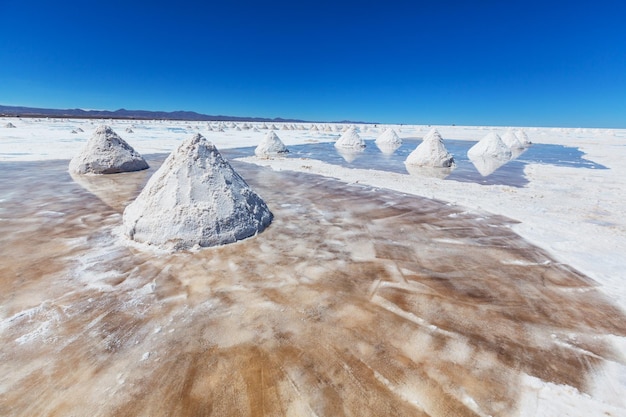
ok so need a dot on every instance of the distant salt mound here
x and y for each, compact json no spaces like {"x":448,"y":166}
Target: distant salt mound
{"x":195,"y":199}
{"x":431,"y":153}
{"x":350,"y":139}
{"x":129,"y":130}
{"x":9,"y":125}
{"x":511,"y":140}
{"x":523,"y":138}
{"x":491,"y":146}
{"x":107,"y":153}
{"x":270,"y":145}
{"x":389,"y":138}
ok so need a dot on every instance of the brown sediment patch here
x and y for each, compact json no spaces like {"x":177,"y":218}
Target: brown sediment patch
{"x":355,"y":301}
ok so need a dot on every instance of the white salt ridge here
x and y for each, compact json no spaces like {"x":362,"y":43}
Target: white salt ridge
{"x":107,"y":153}
{"x":195,"y":199}
{"x":350,"y":139}
{"x":511,"y":140}
{"x":270,"y":145}
{"x":431,"y":152}
{"x":491,"y":146}
{"x":389,"y":138}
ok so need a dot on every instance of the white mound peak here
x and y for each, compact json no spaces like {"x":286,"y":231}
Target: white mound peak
{"x":491,"y":146}
{"x":431,"y":153}
{"x":270,"y":145}
{"x":350,"y":139}
{"x":195,"y":199}
{"x":106,"y":153}
{"x":389,"y":138}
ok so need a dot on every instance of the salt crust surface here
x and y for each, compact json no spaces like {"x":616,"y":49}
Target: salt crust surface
{"x":195,"y":199}
{"x":431,"y":152}
{"x":558,"y":210}
{"x":106,"y":153}
{"x":270,"y":145}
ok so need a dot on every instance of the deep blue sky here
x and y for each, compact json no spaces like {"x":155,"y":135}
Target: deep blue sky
{"x":539,"y":63}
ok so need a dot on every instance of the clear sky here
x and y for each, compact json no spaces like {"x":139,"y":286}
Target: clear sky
{"x":531,"y":63}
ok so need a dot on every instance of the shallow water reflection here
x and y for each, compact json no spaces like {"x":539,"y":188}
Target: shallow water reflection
{"x":355,"y":301}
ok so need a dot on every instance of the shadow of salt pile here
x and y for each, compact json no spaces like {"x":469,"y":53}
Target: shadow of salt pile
{"x":355,"y":301}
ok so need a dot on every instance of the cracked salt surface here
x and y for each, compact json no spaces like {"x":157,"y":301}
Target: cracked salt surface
{"x":355,"y":300}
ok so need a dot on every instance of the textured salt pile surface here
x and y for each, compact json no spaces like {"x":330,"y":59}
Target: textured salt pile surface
{"x":356,"y":301}
{"x":270,"y":145}
{"x":431,"y":152}
{"x":106,"y":153}
{"x":195,"y":199}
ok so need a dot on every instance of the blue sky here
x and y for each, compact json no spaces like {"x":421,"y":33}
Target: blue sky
{"x":536,"y":63}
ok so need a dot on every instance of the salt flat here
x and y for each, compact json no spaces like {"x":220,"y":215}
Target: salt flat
{"x":358,"y":290}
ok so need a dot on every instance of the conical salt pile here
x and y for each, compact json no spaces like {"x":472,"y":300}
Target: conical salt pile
{"x":9,"y":125}
{"x":350,"y":139}
{"x":107,"y":153}
{"x":523,"y":138}
{"x":511,"y":140}
{"x":490,"y":146}
{"x":431,"y":152}
{"x":389,"y":137}
{"x":270,"y":145}
{"x":195,"y":198}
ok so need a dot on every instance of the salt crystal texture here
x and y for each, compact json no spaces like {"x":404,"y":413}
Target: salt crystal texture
{"x":195,"y":198}
{"x":350,"y":139}
{"x":431,"y":152}
{"x":107,"y":153}
{"x":270,"y":145}
{"x":491,"y":146}
{"x":389,"y":137}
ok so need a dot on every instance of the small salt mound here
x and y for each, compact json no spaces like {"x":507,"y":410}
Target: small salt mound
{"x":270,"y":145}
{"x":10,"y":125}
{"x":389,"y":137}
{"x":106,"y":153}
{"x":490,"y":146}
{"x":129,"y":130}
{"x":195,"y":198}
{"x":511,"y":140}
{"x":350,"y":139}
{"x":431,"y":153}
{"x":523,"y":138}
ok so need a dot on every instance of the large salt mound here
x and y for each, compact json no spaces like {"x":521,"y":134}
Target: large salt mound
{"x":389,"y":138}
{"x":511,"y":140}
{"x":106,"y":153}
{"x":350,"y":139}
{"x":195,"y":198}
{"x":270,"y":145}
{"x":491,"y":146}
{"x":431,"y":153}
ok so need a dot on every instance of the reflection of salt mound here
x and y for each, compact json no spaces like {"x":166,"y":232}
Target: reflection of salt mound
{"x":270,"y":145}
{"x":511,"y":140}
{"x":427,"y":171}
{"x":431,"y":152}
{"x":106,"y":153}
{"x":486,"y":164}
{"x":10,"y":125}
{"x":491,"y":146}
{"x":115,"y":190}
{"x":387,"y":149}
{"x":389,"y":138}
{"x":350,"y":139}
{"x":195,"y":198}
{"x":350,"y":154}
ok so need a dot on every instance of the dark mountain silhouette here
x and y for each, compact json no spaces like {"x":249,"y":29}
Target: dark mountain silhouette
{"x":139,"y":114}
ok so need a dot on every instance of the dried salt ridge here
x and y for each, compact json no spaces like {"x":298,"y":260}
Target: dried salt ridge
{"x":389,"y":138}
{"x":107,"y":153}
{"x":195,"y":199}
{"x":431,"y":153}
{"x":350,"y":139}
{"x":270,"y":145}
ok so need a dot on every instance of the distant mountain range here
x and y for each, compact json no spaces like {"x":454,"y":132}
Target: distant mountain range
{"x":140,"y":114}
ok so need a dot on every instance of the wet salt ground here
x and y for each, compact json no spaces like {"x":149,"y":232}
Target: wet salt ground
{"x":511,"y":173}
{"x":355,"y":301}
